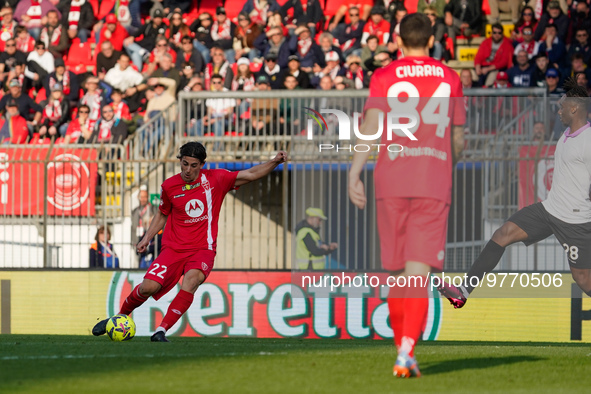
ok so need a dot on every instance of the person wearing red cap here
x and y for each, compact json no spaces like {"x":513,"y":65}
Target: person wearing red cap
{"x":113,"y":31}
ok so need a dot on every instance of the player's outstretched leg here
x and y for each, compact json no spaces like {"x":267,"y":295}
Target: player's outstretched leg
{"x":177,"y":308}
{"x":100,"y":328}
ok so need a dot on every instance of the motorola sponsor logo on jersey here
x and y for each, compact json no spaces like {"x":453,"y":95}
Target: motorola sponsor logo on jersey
{"x":195,"y":209}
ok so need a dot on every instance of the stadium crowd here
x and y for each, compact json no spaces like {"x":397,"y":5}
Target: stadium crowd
{"x":81,"y":71}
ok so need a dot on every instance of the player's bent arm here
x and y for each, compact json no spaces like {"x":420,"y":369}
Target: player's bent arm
{"x":261,"y":170}
{"x":157,"y":224}
{"x":457,"y":142}
{"x":356,"y":189}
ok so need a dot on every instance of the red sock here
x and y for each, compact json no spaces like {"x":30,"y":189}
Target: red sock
{"x":133,"y":300}
{"x":177,"y":308}
{"x":416,"y":306}
{"x":396,"y":308}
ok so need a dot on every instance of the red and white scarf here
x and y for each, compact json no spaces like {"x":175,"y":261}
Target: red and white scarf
{"x":53,"y":110}
{"x":210,"y":71}
{"x":349,"y":43}
{"x":118,"y":109}
{"x":539,"y":9}
{"x":357,"y":78}
{"x":74,"y":14}
{"x":122,"y":11}
{"x":77,"y":131}
{"x":304,"y":46}
{"x":94,"y":103}
{"x":55,"y":36}
{"x":65,"y":82}
{"x":221,"y":32}
{"x":304,"y":5}
{"x":259,"y":13}
{"x":247,"y":84}
{"x":7,"y":31}
{"x":26,"y":46}
{"x":34,"y":12}
{"x":105,"y":130}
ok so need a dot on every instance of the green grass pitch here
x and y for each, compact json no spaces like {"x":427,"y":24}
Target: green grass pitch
{"x":85,"y":364}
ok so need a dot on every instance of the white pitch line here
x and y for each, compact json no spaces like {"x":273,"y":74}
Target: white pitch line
{"x":85,"y":356}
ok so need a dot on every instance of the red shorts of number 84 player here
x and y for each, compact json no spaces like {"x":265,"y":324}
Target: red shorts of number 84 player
{"x":420,"y":99}
{"x":190,"y":204}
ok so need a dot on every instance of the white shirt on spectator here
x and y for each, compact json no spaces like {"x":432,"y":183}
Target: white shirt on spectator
{"x":217,"y":106}
{"x":123,"y":80}
{"x":45,"y":61}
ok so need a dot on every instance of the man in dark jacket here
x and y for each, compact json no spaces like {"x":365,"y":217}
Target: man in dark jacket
{"x":77,"y":18}
{"x":140,"y":51}
{"x":108,"y":129}
{"x":463,"y":17}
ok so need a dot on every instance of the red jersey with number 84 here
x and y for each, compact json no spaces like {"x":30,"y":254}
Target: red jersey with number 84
{"x":429,"y":93}
{"x":193,"y":209}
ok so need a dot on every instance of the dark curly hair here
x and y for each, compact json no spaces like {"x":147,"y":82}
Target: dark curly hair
{"x":193,"y":149}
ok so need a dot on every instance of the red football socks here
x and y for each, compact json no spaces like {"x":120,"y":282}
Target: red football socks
{"x":133,"y":300}
{"x":396,"y":308}
{"x":416,"y":306}
{"x":177,"y":308}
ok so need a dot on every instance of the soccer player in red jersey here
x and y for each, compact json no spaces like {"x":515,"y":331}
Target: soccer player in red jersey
{"x":413,"y":186}
{"x":190,"y":204}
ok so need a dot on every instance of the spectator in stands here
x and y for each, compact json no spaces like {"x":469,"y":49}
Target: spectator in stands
{"x":438,"y":32}
{"x":293,"y":69}
{"x":582,"y":80}
{"x":188,"y":54}
{"x":24,"y":41}
{"x":120,"y":108}
{"x":107,"y":129}
{"x":349,"y":37}
{"x":528,"y":19}
{"x":400,"y":13}
{"x":354,"y":73}
{"x":343,"y":15}
{"x":304,"y":14}
{"x":158,"y":54}
{"x":203,"y":41}
{"x":370,"y":50}
{"x":27,"y":107}
{"x":218,"y":66}
{"x":13,"y":127}
{"x":258,"y":10}
{"x":520,"y":74}
{"x":177,"y":30}
{"x":220,"y":111}
{"x":40,"y":63}
{"x":7,"y":26}
{"x":166,"y":70}
{"x":122,"y":76}
{"x":17,"y":73}
{"x":78,"y":17}
{"x":164,"y":96}
{"x":244,"y":79}
{"x":140,"y":51}
{"x":552,"y":80}
{"x":554,"y":47}
{"x":272,"y":42}
{"x":381,"y":59}
{"x":106,"y":59}
{"x":222,"y":32}
{"x":55,"y":39}
{"x":188,"y":75}
{"x":56,"y":114}
{"x":112,"y":32}
{"x":94,"y":98}
{"x":466,"y":79}
{"x":288,"y":118}
{"x":245,"y":35}
{"x":579,"y":20}
{"x":494,"y":54}
{"x":528,"y":44}
{"x":332,"y":69}
{"x":302,"y":45}
{"x":553,"y":16}
{"x":272,"y":71}
{"x":9,"y":57}
{"x":538,"y":78}
{"x":79,"y":129}
{"x":580,"y":45}
{"x":30,"y":13}
{"x":141,"y":217}
{"x":101,"y":253}
{"x":264,"y":112}
{"x":377,"y":26}
{"x":539,"y":132}
{"x":326,"y":43}
{"x":504,"y":6}
{"x":577,"y":66}
{"x":463,"y":17}
{"x":438,"y":6}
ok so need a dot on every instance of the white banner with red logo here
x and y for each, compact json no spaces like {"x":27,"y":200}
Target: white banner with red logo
{"x":536,"y":168}
{"x":71,"y":181}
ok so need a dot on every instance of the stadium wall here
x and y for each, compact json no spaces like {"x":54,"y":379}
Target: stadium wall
{"x":265,"y":304}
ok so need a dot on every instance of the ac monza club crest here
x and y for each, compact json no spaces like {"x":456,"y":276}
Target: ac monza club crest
{"x":69,"y":178}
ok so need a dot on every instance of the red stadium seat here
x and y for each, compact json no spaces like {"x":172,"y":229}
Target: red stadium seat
{"x":331,"y":8}
{"x":209,"y":6}
{"x":233,"y":8}
{"x":485,"y":7}
{"x":80,"y":55}
{"x":411,"y":5}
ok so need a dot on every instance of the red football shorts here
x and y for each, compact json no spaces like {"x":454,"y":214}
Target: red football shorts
{"x":412,"y":229}
{"x":170,"y":265}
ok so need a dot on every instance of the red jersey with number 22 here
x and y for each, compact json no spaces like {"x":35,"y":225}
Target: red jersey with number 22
{"x":424,"y":89}
{"x":193,"y":209}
